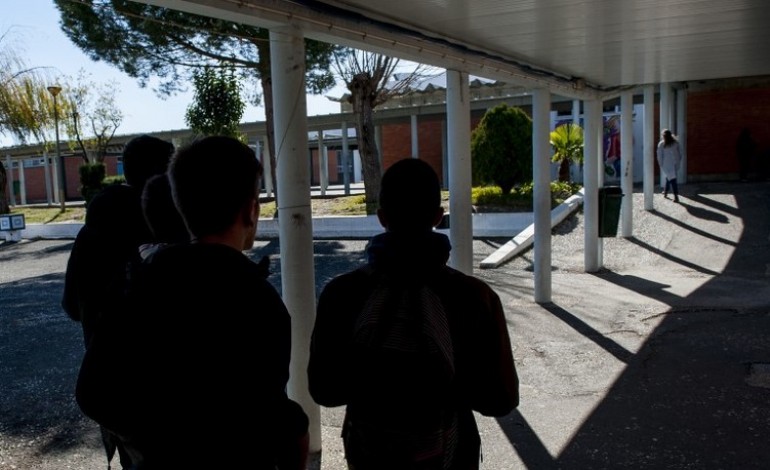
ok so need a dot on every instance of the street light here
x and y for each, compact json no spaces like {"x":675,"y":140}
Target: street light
{"x":55,"y":90}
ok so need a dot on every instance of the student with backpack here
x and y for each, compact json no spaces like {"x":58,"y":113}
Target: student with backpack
{"x":409,"y":345}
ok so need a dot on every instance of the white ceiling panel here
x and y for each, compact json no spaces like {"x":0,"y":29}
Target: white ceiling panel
{"x":611,"y":44}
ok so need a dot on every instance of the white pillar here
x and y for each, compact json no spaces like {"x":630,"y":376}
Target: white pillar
{"x":649,"y":147}
{"x":258,"y":151}
{"x":55,"y":178}
{"x":287,"y":55}
{"x":600,"y":175}
{"x":681,"y":130}
{"x":664,"y":118}
{"x":345,"y":158}
{"x":47,"y":179}
{"x":9,"y":179}
{"x":323,"y":164}
{"x":268,"y":167}
{"x":541,"y":198}
{"x":459,"y":155}
{"x":22,"y":183}
{"x":576,"y":169}
{"x":592,"y":118}
{"x":627,"y":163}
{"x":415,"y":138}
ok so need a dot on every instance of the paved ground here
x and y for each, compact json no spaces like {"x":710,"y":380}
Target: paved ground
{"x":658,"y":361}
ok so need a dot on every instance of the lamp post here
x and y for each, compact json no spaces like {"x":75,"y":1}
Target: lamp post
{"x":55,"y":90}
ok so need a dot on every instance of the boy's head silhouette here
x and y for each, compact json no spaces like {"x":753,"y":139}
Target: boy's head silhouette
{"x":410,"y":197}
{"x":215,"y":186}
{"x":144,"y":157}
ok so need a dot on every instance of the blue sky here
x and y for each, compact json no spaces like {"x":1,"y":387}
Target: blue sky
{"x":35,"y":33}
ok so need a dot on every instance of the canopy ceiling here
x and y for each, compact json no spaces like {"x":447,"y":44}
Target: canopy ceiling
{"x":578,"y":48}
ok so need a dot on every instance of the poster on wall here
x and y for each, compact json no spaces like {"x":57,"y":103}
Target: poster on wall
{"x":610,"y":146}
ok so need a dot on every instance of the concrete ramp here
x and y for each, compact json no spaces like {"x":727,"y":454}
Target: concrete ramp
{"x":524,"y":239}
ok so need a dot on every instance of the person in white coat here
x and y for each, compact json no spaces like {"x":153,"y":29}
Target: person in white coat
{"x":669,"y":159}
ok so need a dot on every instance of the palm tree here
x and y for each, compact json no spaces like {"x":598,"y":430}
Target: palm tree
{"x":567,"y":143}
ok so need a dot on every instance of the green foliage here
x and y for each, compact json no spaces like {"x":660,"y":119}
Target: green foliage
{"x":520,"y":197}
{"x":91,"y":180}
{"x":150,"y":42}
{"x":26,"y":105}
{"x":217,"y":107}
{"x":112,"y":180}
{"x":567,"y":144}
{"x":501,"y":148}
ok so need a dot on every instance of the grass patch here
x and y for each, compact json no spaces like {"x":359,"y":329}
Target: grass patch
{"x":323,"y":206}
{"x":491,"y":198}
{"x":49,"y":215}
{"x":484,"y":199}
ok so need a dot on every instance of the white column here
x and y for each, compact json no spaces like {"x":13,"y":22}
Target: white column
{"x":55,"y":170}
{"x":681,"y":130}
{"x":664,"y":118}
{"x":323,"y":164}
{"x":576,"y":169}
{"x":47,"y":178}
{"x":415,"y":138}
{"x":627,"y":163}
{"x":649,"y":147}
{"x":22,"y":183}
{"x":345,"y":158}
{"x":541,"y":198}
{"x":600,"y":175}
{"x":459,"y":155}
{"x":9,"y":179}
{"x":287,"y":55}
{"x":592,"y":119}
{"x":268,"y":167}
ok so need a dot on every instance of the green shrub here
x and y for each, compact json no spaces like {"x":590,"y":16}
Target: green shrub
{"x":519,"y":199}
{"x":112,"y":180}
{"x":501,"y":148}
{"x":91,"y":180}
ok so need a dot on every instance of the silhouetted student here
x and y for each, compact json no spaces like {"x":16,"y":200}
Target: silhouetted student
{"x":161,"y":215}
{"x":166,"y":223}
{"x":669,"y":155}
{"x":212,"y":338}
{"x":104,"y":248}
{"x":409,"y":345}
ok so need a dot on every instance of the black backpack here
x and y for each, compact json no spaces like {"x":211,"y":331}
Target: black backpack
{"x":407,"y":417}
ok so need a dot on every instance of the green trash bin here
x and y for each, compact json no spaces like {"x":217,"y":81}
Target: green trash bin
{"x":610,"y":198}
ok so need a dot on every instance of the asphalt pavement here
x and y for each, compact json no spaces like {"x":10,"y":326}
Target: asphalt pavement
{"x":661,"y":360}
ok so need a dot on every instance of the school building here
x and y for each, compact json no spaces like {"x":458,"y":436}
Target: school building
{"x":708,"y":117}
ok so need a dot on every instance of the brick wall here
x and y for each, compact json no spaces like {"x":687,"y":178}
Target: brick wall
{"x":715,"y":117}
{"x":35,"y":178}
{"x":397,"y":142}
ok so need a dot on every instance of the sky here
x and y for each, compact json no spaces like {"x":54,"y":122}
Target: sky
{"x":32,"y":26}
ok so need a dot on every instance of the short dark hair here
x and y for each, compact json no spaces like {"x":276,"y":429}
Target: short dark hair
{"x":143,"y":157}
{"x":212,"y":179}
{"x":410,"y":195}
{"x":668,"y":137}
{"x":160,"y":213}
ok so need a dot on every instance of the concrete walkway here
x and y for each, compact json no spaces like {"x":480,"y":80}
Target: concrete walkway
{"x":658,"y":361}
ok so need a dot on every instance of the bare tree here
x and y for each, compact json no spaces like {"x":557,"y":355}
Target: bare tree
{"x":372,"y":81}
{"x":93,"y":106}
